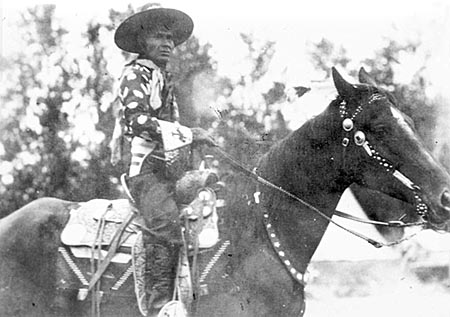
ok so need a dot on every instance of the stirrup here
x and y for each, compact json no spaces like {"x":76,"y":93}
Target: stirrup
{"x":174,"y":308}
{"x":123,"y":182}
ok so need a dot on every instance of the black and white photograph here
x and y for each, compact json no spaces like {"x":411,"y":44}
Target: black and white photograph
{"x":224,"y":158}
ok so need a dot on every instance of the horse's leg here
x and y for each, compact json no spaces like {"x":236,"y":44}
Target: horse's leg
{"x":29,"y":240}
{"x":270,"y":290}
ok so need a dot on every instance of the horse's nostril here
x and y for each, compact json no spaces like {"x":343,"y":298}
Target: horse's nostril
{"x":445,"y":199}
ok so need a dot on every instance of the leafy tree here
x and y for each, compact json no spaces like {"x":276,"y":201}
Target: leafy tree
{"x":248,"y":121}
{"x":58,"y":117}
{"x":411,"y":97}
{"x":325,"y":54}
{"x":55,"y":134}
{"x":34,"y":125}
{"x":194,"y":75}
{"x":261,"y":55}
{"x":97,"y":175}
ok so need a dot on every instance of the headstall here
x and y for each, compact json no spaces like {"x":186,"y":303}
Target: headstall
{"x":360,"y":140}
{"x":359,"y":137}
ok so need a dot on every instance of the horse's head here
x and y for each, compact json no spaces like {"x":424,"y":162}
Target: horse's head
{"x":382,"y":151}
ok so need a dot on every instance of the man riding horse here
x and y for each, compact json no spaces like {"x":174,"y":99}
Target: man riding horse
{"x":148,"y":107}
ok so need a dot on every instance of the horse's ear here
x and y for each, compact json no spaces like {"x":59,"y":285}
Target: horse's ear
{"x":365,"y":78}
{"x":343,"y":88}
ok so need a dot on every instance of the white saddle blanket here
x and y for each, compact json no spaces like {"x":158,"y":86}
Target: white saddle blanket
{"x":84,"y":225}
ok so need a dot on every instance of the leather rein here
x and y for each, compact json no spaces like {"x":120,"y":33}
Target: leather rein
{"x":360,"y":141}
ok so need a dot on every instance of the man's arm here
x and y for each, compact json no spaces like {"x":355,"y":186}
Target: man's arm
{"x":134,"y":93}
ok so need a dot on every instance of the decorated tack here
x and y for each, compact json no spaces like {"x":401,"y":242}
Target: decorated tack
{"x":347,"y":124}
{"x":360,"y":138}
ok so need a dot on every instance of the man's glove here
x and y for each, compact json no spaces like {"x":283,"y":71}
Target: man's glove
{"x":202,"y":137}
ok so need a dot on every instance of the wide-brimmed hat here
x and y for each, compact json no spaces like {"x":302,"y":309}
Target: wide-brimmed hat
{"x":176,"y":21}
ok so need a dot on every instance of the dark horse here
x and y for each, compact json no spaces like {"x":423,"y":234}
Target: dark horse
{"x":360,"y":138}
{"x":378,"y":206}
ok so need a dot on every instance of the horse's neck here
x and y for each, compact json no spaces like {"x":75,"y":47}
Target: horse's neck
{"x":305,"y":165}
{"x":298,"y":229}
{"x":308,"y":162}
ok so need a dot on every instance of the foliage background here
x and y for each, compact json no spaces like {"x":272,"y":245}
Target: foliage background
{"x":56,"y":118}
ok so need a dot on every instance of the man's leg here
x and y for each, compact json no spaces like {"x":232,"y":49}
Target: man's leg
{"x":156,"y":202}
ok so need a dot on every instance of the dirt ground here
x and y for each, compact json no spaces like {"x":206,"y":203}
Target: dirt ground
{"x":377,"y":288}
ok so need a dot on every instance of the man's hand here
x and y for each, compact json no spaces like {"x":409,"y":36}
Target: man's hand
{"x":202,"y":137}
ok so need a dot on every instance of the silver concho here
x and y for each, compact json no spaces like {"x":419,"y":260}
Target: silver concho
{"x":347,"y":124}
{"x":360,"y":138}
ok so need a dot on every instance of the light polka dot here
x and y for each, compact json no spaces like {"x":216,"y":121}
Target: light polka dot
{"x":131,"y":76}
{"x":142,"y":119}
{"x":141,"y":68}
{"x":132,"y":105}
{"x":138,"y":94}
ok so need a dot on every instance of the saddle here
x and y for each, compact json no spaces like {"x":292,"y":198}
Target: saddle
{"x":94,"y":223}
{"x":196,"y":195}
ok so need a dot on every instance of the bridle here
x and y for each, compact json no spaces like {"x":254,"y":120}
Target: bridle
{"x":361,"y":141}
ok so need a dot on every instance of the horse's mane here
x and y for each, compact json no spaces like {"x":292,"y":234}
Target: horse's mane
{"x":311,"y":136}
{"x":245,"y":214}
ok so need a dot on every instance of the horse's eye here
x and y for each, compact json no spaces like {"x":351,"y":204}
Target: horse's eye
{"x":380,"y":130}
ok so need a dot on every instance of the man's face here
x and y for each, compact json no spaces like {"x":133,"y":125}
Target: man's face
{"x":158,"y":46}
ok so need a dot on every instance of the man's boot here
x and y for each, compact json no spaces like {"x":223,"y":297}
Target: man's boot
{"x":161,"y":266}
